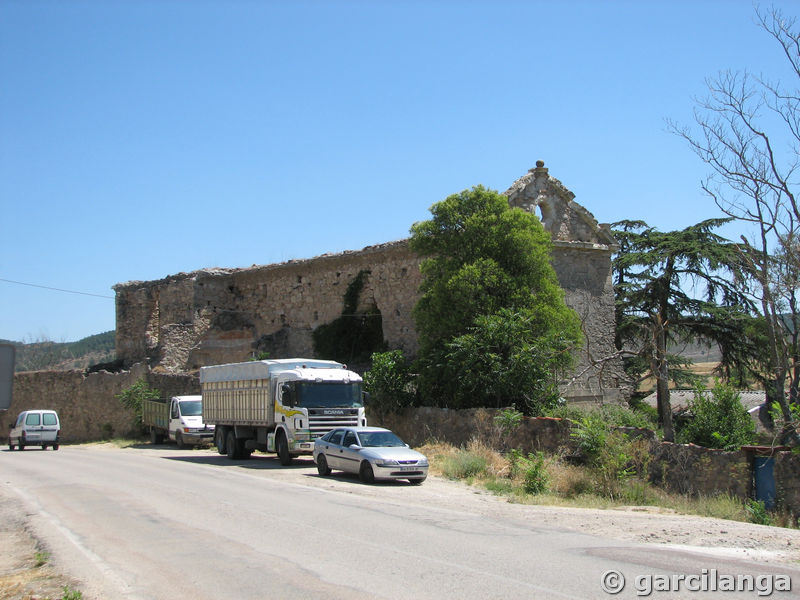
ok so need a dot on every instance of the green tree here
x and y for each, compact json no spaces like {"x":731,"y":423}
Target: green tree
{"x":671,"y":287}
{"x":491,"y":315}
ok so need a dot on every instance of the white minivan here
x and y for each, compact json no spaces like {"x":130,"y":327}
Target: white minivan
{"x":35,"y":428}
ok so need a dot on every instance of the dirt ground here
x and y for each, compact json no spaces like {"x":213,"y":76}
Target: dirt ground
{"x":26,"y":572}
{"x":20,"y":551}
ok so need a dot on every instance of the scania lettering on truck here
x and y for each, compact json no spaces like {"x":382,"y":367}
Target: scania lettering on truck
{"x":178,"y":419}
{"x":280,"y":405}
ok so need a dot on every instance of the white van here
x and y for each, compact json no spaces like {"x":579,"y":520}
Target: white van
{"x":35,"y":428}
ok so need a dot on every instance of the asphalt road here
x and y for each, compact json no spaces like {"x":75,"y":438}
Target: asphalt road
{"x":160,"y":523}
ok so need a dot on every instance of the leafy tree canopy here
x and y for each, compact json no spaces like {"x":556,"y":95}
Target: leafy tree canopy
{"x":489,"y":298}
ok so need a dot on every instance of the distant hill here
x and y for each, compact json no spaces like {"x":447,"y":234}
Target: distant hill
{"x":54,"y":356}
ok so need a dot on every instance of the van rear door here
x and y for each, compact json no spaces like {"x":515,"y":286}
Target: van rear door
{"x":50,"y":426}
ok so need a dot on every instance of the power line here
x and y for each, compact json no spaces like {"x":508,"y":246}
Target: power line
{"x":44,"y":287}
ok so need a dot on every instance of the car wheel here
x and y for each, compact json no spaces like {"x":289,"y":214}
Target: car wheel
{"x":21,"y":446}
{"x":417,"y":481}
{"x":366,"y":473}
{"x":44,"y":446}
{"x":283,"y":450}
{"x":179,"y":440}
{"x":322,"y":466}
{"x":219,"y":440}
{"x":11,"y":445}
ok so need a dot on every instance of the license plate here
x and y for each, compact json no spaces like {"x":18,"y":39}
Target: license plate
{"x":408,"y":468}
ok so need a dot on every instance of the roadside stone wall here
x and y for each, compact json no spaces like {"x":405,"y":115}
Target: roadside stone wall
{"x":787,"y":478}
{"x":694,"y":470}
{"x":86,"y":404}
{"x":213,"y":316}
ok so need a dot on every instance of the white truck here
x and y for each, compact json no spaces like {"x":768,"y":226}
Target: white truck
{"x":280,"y":405}
{"x":178,"y":419}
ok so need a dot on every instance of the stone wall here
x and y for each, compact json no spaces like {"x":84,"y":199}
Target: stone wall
{"x":214,"y":316}
{"x":86,"y":404}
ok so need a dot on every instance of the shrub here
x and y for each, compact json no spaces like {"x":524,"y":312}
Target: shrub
{"x":717,"y":421}
{"x":389,"y":382}
{"x":757,"y":513}
{"x":535,"y":477}
{"x":133,"y":397}
{"x":464,"y":464}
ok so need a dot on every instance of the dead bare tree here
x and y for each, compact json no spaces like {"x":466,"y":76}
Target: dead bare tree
{"x":748,"y":132}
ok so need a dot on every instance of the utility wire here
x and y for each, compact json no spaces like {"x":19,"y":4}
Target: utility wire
{"x":44,"y":287}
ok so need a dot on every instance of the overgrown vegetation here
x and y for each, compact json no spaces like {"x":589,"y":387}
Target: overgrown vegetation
{"x":353,"y":336}
{"x":612,"y":477}
{"x":132,"y":398}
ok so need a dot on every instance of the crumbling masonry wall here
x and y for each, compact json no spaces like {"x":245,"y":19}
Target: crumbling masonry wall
{"x":213,"y":316}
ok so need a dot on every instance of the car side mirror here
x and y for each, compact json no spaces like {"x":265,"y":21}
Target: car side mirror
{"x":355,"y":447}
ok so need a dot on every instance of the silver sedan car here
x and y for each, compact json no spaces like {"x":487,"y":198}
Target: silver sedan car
{"x":372,"y":452}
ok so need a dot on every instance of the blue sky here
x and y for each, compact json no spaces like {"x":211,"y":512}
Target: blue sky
{"x":141,"y":139}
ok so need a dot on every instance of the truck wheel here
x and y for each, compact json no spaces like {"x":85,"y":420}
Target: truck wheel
{"x":55,"y":446}
{"x":155,"y":437}
{"x":283,"y":450}
{"x":219,"y":440}
{"x":179,"y":440}
{"x":231,"y":447}
{"x":365,"y":473}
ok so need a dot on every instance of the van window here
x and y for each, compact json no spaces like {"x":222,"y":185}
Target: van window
{"x":49,"y":419}
{"x":32,"y":419}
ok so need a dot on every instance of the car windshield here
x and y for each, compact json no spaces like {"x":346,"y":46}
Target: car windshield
{"x":328,"y":395}
{"x":192,"y":408}
{"x":385,"y":439}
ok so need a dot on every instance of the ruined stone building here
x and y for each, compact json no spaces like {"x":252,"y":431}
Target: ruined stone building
{"x":212,"y":316}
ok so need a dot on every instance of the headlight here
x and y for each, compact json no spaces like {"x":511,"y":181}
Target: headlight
{"x":423,"y":462}
{"x":386,"y":462}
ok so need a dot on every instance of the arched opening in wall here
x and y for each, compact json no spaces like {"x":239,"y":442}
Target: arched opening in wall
{"x":544,"y":211}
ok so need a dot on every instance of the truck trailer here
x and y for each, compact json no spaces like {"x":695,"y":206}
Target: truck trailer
{"x":178,"y":419}
{"x":279,"y":406}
